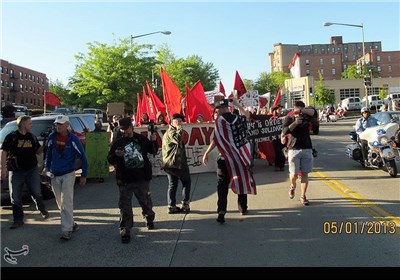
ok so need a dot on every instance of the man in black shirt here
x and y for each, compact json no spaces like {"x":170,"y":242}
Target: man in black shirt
{"x":24,"y":146}
{"x":300,"y":154}
{"x":133,"y":174}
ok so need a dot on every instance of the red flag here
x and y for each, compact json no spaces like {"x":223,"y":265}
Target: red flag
{"x":277,"y":100}
{"x":239,"y":86}
{"x":221,"y":88}
{"x":138,"y":111}
{"x":51,"y":99}
{"x":158,"y":105}
{"x":196,"y":103}
{"x":172,"y":94}
{"x":146,"y":106}
{"x":234,"y":147}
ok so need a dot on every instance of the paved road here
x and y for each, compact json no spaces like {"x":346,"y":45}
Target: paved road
{"x":276,"y":232}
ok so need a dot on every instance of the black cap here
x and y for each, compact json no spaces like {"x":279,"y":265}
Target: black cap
{"x":125,"y":123}
{"x":221,"y":103}
{"x":178,"y":116}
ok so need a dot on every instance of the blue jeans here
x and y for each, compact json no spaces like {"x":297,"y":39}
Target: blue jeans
{"x":174,"y":175}
{"x":141,"y":189}
{"x":16,"y":180}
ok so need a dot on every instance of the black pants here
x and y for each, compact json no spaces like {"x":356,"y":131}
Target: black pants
{"x":279,"y":156}
{"x":364,"y":149}
{"x":142,"y":193}
{"x":223,"y":188}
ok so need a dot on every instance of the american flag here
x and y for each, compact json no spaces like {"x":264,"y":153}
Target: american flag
{"x":234,"y":147}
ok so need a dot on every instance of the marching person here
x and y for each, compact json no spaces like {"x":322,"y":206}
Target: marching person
{"x":133,"y":173}
{"x":63,"y":150}
{"x":300,"y":153}
{"x":234,"y":159}
{"x":175,"y":164}
{"x":23,"y":146}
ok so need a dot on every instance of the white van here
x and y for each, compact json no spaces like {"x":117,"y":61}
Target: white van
{"x":20,"y":110}
{"x":373,"y":101}
{"x":351,"y":103}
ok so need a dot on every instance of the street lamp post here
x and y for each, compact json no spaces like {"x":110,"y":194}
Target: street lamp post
{"x":151,"y":33}
{"x":363,"y":48}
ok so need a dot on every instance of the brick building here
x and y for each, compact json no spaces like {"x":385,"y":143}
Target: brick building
{"x":20,"y":85}
{"x":333,"y":58}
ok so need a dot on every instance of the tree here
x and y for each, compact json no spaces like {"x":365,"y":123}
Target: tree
{"x":322,"y":93}
{"x":351,"y":73}
{"x":270,"y":82}
{"x":62,"y":92}
{"x":248,"y":84}
{"x":112,"y":73}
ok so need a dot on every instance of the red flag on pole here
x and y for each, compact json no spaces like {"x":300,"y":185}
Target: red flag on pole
{"x":51,"y":99}
{"x":221,"y":88}
{"x":197,"y":104}
{"x":172,"y":94}
{"x":157,"y":103}
{"x":138,"y":110}
{"x":278,"y":98}
{"x":239,"y":86}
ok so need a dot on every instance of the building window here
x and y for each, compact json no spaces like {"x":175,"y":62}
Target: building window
{"x":345,"y":49}
{"x":12,"y":85}
{"x":2,"y":83}
{"x":7,"y":84}
{"x":34,"y":90}
{"x":339,"y":49}
{"x":30,"y":77}
{"x":315,"y":51}
{"x":389,"y":58}
{"x":26,"y":76}
{"x":378,"y":58}
{"x":379,"y":69}
{"x":321,"y":61}
{"x":308,"y":72}
{"x":345,"y":66}
{"x":333,"y":50}
{"x":11,"y":73}
{"x":21,"y":88}
{"x":346,"y":57}
{"x":333,"y":60}
{"x":21,"y":75}
{"x":389,"y":69}
{"x":6,"y":71}
{"x":37,"y":79}
{"x":322,"y":71}
{"x":328,"y":49}
{"x":307,"y":62}
{"x":26,"y":88}
{"x":354,"y":57}
{"x":26,"y":100}
{"x":1,"y":68}
{"x":333,"y":71}
{"x":353,"y":48}
{"x":322,"y":50}
{"x":33,"y":77}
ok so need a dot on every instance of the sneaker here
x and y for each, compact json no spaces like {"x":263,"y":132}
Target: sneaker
{"x":221,"y":218}
{"x":66,"y":235}
{"x":304,"y":200}
{"x":185,"y":207}
{"x":291,"y":192}
{"x":174,"y":210}
{"x":17,"y":224}
{"x":150,"y":225}
{"x":45,"y":215}
{"x":125,"y":236}
{"x":75,"y":228}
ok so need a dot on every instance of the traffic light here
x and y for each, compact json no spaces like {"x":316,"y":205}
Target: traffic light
{"x":367,"y":81}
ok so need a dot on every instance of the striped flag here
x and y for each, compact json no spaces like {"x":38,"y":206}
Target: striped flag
{"x":231,"y":141}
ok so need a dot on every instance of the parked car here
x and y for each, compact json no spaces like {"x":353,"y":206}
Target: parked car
{"x":97,"y":112}
{"x":41,"y":126}
{"x":351,"y":103}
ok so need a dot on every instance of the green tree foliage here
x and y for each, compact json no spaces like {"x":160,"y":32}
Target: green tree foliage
{"x":249,"y":84}
{"x":351,"y":73}
{"x":62,"y":92}
{"x":112,"y":73}
{"x":323,"y":94}
{"x":383,"y":93}
{"x":270,"y":82}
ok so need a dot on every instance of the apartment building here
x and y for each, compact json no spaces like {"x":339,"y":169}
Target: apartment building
{"x":333,"y":58}
{"x":20,"y":85}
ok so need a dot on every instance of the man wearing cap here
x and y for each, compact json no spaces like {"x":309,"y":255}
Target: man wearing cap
{"x":133,"y":173}
{"x":175,"y":165}
{"x":234,"y":159}
{"x":23,"y":146}
{"x":63,"y":149}
{"x":363,"y":123}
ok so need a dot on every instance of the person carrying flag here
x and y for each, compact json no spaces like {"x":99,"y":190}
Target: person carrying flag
{"x":234,"y":159}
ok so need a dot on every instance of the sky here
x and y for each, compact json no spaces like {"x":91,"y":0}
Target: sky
{"x":233,"y":35}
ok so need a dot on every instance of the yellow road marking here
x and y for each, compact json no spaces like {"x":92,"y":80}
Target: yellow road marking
{"x":367,"y":206}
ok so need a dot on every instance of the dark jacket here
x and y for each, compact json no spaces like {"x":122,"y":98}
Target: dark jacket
{"x":135,"y":164}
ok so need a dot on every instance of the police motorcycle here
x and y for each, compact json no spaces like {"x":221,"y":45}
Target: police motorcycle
{"x":380,"y":148}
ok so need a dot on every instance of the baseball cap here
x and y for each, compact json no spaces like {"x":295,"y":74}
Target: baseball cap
{"x":221,"y":103}
{"x":61,"y":119}
{"x":124,"y":123}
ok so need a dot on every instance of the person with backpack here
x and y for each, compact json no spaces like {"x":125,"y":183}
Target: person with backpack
{"x":19,"y":164}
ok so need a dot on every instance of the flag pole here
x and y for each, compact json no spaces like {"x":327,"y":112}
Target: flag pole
{"x":44,"y":103}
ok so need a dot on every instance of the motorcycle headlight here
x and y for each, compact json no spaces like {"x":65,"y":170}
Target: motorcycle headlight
{"x":384,"y":140}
